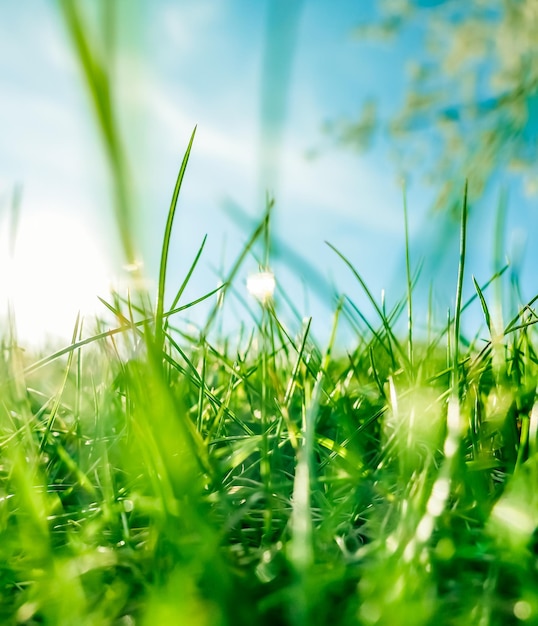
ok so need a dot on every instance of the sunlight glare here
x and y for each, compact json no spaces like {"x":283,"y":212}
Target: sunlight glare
{"x":57,"y":270}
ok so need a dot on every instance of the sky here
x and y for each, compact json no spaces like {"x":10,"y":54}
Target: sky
{"x":259,"y":80}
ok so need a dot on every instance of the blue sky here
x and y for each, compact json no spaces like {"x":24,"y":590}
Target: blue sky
{"x":209,"y":63}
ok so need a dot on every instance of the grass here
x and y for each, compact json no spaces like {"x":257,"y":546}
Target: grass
{"x":155,"y":474}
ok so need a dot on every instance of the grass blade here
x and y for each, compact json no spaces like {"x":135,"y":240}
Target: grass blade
{"x":459,"y":288}
{"x":483,"y":304}
{"x":159,"y":330}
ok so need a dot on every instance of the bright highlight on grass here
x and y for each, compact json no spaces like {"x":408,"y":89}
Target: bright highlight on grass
{"x":261,"y":285}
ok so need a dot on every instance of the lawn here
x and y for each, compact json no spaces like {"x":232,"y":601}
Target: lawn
{"x":153,"y":472}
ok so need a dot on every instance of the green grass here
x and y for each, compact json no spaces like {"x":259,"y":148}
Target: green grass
{"x":155,"y":474}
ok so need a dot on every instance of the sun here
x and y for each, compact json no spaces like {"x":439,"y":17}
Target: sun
{"x":58,"y":268}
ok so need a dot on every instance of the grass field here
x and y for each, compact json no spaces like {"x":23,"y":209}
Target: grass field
{"x":154,"y":473}
{"x":151,"y":475}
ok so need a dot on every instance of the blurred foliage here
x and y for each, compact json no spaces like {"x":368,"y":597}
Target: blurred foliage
{"x":93,"y":29}
{"x":472,"y":91}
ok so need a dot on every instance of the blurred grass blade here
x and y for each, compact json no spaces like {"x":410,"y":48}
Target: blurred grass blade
{"x":93,"y":61}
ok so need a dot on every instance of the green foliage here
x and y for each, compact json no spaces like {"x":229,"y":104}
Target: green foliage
{"x":199,"y":480}
{"x":472,"y":88}
{"x":152,"y":474}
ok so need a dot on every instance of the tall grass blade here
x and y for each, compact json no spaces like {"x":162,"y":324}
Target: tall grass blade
{"x":409,"y":280}
{"x":92,"y":57}
{"x":459,"y":288}
{"x":159,"y":330}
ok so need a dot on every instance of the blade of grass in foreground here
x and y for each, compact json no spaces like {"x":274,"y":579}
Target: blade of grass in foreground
{"x":159,"y":330}
{"x":94,"y":63}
